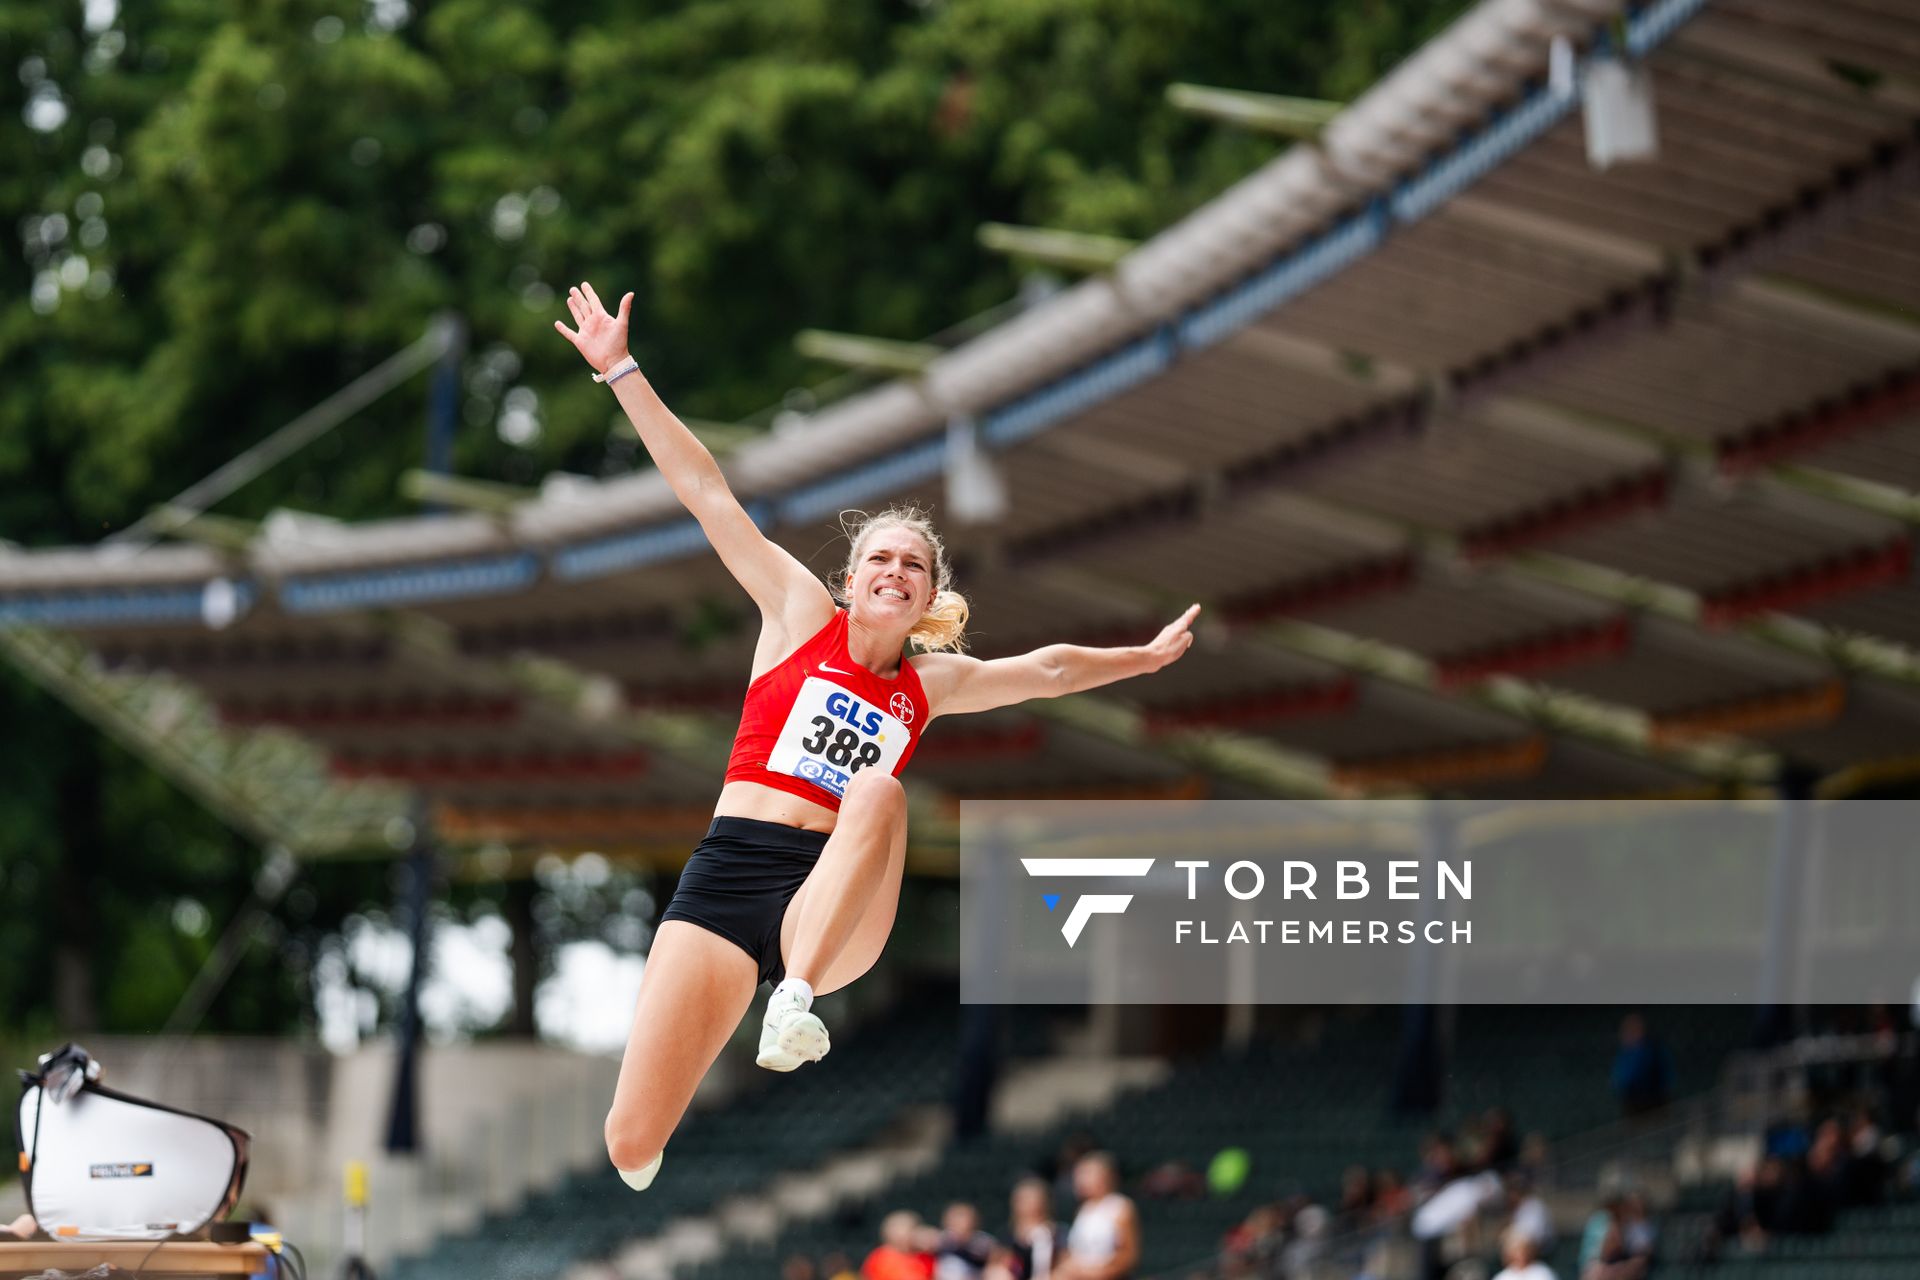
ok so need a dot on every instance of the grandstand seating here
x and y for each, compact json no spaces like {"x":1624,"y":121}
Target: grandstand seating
{"x":1881,"y":1242}
{"x":1306,"y":1110}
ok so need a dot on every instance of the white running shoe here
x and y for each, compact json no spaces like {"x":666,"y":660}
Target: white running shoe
{"x":790,"y":1035}
{"x":641,"y":1179}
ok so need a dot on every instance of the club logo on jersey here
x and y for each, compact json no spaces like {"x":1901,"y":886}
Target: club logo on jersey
{"x":902,"y":707}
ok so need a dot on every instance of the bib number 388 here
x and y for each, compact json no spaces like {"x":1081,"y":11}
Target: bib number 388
{"x":830,"y":735}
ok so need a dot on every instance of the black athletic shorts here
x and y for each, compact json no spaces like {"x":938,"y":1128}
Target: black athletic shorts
{"x":738,"y":883}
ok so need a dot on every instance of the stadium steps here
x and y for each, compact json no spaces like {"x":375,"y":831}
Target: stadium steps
{"x":864,"y":1097}
{"x":911,"y":1142}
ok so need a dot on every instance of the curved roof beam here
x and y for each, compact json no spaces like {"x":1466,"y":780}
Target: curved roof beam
{"x":1414,"y":140}
{"x":1301,"y":118}
{"x":1560,"y":712}
{"x":1073,"y":250}
{"x":1847,"y":652}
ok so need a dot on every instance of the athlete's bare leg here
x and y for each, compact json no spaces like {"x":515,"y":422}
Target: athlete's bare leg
{"x":695,"y":989}
{"x":837,"y":924}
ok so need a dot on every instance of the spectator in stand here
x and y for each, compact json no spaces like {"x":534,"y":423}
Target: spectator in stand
{"x":1778,"y":1199}
{"x":1637,"y":1230}
{"x":1829,"y":1170}
{"x":1439,"y":1165}
{"x":1311,"y":1227}
{"x":1104,"y":1241}
{"x":1536,"y":1157}
{"x":1755,"y":1192}
{"x":1790,"y":1139}
{"x":1527,"y":1213}
{"x":1250,"y":1237}
{"x":1033,"y":1238}
{"x":899,"y":1256}
{"x":1450,"y":1209}
{"x":1499,"y":1142}
{"x":1642,"y":1069}
{"x":1173,"y":1180}
{"x":1599,"y":1223}
{"x":1901,"y":1076}
{"x":1357,"y":1195}
{"x":1522,"y":1258}
{"x":1619,"y":1243}
{"x":837,"y":1266}
{"x":1804,"y":1207}
{"x":1612,"y":1260}
{"x":1868,"y":1166}
{"x":1392,"y":1198}
{"x":1377,"y":1265}
{"x":799,"y":1266}
{"x":962,"y":1250}
{"x":1073,"y":1149}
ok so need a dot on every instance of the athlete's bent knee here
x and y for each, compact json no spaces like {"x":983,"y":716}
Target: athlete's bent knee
{"x":628,"y":1148}
{"x":871,"y":788}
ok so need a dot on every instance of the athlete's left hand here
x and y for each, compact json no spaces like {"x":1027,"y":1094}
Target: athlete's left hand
{"x":602,"y":337}
{"x":1174,"y":639}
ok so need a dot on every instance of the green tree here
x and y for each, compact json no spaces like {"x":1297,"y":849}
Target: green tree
{"x":227,"y":212}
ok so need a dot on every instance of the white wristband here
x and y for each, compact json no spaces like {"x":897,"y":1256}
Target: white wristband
{"x":618,"y":371}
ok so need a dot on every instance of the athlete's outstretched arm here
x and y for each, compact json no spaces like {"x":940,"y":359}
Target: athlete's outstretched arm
{"x":778,"y":583}
{"x":956,"y":684}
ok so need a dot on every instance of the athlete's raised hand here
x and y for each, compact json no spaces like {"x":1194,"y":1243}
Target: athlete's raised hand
{"x":601,"y":338}
{"x":1174,"y":639}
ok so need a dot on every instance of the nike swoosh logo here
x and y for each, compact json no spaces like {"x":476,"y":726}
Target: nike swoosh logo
{"x":837,"y":671}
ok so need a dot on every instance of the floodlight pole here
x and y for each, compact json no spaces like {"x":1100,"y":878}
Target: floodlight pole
{"x":403,"y":1129}
{"x":1774,"y":1011}
{"x":525,"y":927}
{"x":982,"y":950}
{"x":1422,"y":1059}
{"x":443,"y":399}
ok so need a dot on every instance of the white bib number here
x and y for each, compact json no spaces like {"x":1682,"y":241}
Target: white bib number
{"x":830,"y":735}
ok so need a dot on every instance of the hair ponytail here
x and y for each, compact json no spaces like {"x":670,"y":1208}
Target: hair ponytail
{"x":944,"y":625}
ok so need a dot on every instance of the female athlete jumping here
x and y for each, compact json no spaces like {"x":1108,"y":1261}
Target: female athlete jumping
{"x":797,"y":880}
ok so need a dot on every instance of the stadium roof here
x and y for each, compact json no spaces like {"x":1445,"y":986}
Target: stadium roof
{"x":1502,"y":475}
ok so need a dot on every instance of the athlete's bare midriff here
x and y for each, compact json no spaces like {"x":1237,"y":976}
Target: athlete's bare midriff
{"x":765,"y":804}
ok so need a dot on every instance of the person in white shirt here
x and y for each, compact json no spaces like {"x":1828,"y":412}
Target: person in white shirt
{"x":1529,"y":1215}
{"x":1522,"y":1256}
{"x":1104,"y":1241}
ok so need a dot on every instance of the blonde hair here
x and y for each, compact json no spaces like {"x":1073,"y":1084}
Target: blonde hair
{"x":944,"y":624}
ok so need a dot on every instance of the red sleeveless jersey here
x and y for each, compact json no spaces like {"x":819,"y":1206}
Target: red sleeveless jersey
{"x":818,"y":718}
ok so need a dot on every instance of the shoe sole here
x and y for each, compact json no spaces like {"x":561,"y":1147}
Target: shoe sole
{"x":804,"y":1041}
